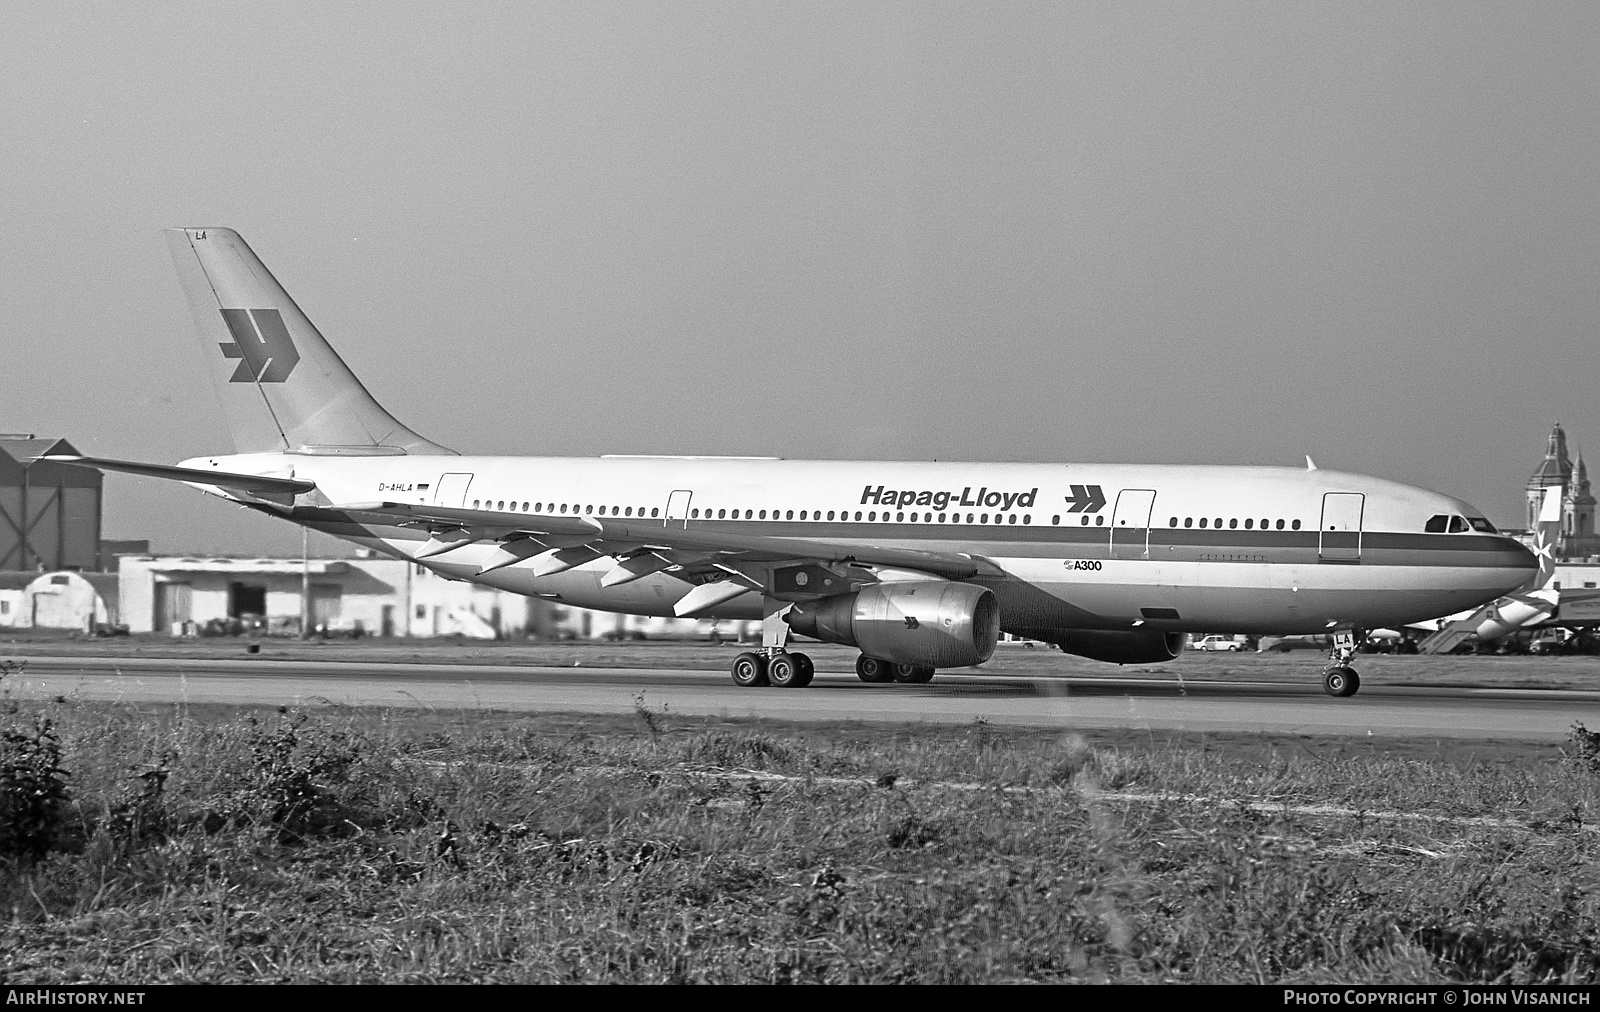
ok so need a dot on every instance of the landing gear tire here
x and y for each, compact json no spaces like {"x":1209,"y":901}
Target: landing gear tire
{"x":789,"y":671}
{"x":870,"y":669}
{"x":1341,"y":682}
{"x":808,"y":670}
{"x":749,"y":670}
{"x":910,"y":674}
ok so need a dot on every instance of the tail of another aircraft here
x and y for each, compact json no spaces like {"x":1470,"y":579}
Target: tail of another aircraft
{"x":1547,"y":531}
{"x":283,"y":387}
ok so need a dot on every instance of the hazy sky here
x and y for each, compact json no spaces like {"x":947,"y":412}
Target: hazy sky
{"x":1226,"y":233}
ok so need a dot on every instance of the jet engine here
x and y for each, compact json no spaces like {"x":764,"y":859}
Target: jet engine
{"x":925,"y":623}
{"x":1118,"y":646}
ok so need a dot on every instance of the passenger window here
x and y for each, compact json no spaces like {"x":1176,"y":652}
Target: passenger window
{"x":1085,"y":519}
{"x":789,"y":515}
{"x":1249,"y":523}
{"x":1280,"y":525}
{"x":1027,"y":518}
{"x":1099,"y":521}
{"x":655,"y":510}
{"x":694,"y":514}
{"x":1056,"y":520}
{"x":1173,"y":523}
{"x":1296,"y":525}
{"x":858,"y":514}
{"x":830,"y":514}
{"x":1202,"y":521}
{"x":1188,"y":521}
{"x":1232,"y":524}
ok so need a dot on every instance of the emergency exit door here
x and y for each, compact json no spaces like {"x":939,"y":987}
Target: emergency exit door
{"x":1339,"y":536}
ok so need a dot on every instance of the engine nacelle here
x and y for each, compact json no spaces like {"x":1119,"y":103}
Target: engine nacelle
{"x":1118,"y":646}
{"x":926,"y":623}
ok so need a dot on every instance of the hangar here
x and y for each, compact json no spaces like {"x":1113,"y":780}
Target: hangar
{"x":49,"y":512}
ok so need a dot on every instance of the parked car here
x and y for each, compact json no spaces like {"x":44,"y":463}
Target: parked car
{"x":1230,"y":644}
{"x":1284,"y":644}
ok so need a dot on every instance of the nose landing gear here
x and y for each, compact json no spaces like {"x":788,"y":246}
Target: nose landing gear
{"x":1338,"y":677}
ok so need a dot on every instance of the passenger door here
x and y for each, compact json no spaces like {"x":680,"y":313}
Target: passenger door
{"x":678,"y":506}
{"x":1130,"y":523}
{"x":452,"y":490}
{"x":1339,"y":537}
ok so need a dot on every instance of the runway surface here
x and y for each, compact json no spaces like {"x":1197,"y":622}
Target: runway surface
{"x":1065,"y":702}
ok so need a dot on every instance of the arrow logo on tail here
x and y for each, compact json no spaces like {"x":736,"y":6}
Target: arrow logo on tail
{"x":262,"y":344}
{"x":1086,"y":499}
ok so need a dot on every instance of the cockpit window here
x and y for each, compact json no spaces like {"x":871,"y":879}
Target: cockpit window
{"x":1481,"y":525}
{"x":1437,"y":524}
{"x":1458,"y":525}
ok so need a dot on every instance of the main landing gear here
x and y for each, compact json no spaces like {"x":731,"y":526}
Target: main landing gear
{"x":872,"y":669}
{"x":1338,"y":677}
{"x":780,"y":669}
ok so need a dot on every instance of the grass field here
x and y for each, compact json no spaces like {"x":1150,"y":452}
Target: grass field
{"x":221,"y":844}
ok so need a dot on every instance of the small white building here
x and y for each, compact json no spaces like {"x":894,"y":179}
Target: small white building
{"x":377,"y":596}
{"x":64,"y":600}
{"x":373,"y":596}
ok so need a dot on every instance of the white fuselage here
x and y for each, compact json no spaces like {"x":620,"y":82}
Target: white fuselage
{"x":1091,"y":546}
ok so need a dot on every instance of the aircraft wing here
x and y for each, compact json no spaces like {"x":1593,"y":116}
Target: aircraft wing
{"x":256,"y":485}
{"x":622,"y":537}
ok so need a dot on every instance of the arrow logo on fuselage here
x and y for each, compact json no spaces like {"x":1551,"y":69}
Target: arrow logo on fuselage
{"x":262,"y":344}
{"x":1086,"y":499}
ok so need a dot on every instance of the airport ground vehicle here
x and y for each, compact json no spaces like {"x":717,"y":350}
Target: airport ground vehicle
{"x":920,"y":565}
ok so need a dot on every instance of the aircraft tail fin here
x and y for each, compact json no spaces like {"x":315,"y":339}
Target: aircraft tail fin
{"x":1546,"y":532}
{"x":282,"y":385}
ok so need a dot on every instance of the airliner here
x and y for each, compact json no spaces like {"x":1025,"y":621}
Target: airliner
{"x":919,"y":565}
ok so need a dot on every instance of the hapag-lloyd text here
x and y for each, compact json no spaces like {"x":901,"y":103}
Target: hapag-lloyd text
{"x":942,"y":500}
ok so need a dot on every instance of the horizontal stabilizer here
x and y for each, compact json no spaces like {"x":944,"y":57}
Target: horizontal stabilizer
{"x":707,"y":596}
{"x":252,"y":484}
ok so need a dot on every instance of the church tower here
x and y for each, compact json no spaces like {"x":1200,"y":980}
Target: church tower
{"x":1554,"y":471}
{"x":1577,"y":515}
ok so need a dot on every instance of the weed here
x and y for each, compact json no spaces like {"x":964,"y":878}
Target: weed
{"x":294,"y":769}
{"x":139,"y":817}
{"x":1585,"y":747}
{"x":739,"y":751}
{"x":914,"y":832}
{"x":651,"y":723}
{"x":34,"y":796}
